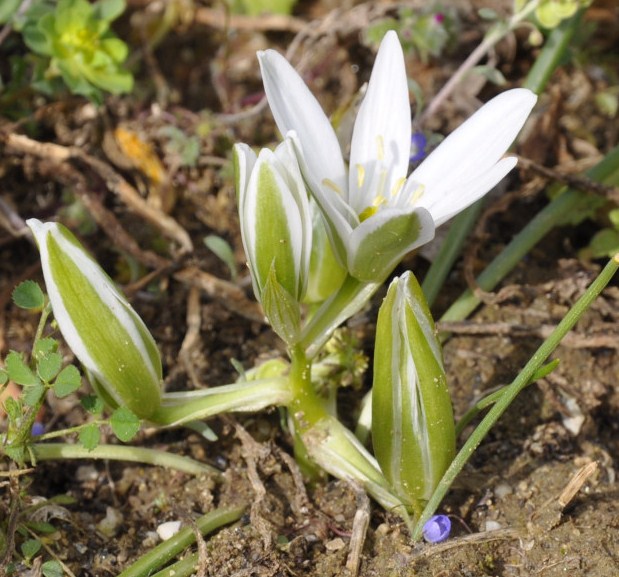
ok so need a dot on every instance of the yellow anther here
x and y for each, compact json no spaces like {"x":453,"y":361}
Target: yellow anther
{"x":334,"y":187}
{"x":419,"y":191}
{"x":360,"y":175}
{"x":373,"y":209}
{"x":380,"y":145}
{"x":397,"y":187}
{"x":367,"y":213}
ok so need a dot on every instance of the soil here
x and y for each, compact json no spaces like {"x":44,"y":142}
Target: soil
{"x":510,"y":511}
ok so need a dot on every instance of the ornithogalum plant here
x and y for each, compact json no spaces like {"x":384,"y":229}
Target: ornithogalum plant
{"x":375,"y":213}
{"x":321,"y":235}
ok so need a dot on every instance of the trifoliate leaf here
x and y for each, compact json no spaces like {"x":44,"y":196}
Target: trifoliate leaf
{"x":49,"y":366}
{"x":33,"y":394}
{"x":92,"y":404}
{"x":67,"y":381}
{"x":28,"y":295}
{"x":30,"y":548}
{"x":90,"y":436}
{"x":44,"y":346}
{"x":124,"y":424}
{"x":52,"y":569}
{"x":19,"y":371}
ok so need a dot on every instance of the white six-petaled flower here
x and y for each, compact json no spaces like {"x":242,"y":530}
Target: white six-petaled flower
{"x":374,"y":213}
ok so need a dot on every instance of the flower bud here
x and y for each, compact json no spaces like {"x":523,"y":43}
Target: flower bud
{"x":99,"y":325}
{"x":413,"y":431}
{"x":276,"y":229}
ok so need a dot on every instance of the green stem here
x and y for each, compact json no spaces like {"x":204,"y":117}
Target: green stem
{"x":249,"y":396}
{"x":349,"y":299}
{"x":559,"y":211}
{"x":551,"y":54}
{"x":49,"y":451}
{"x":169,"y":549}
{"x":183,"y":568}
{"x":510,"y":393}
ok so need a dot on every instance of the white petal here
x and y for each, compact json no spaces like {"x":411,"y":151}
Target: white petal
{"x":474,"y":147}
{"x":294,"y":107}
{"x":381,"y":140}
{"x":339,"y":218}
{"x":456,"y":200}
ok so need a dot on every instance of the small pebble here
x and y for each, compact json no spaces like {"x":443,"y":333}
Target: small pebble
{"x":111,"y":523}
{"x":168,"y":529}
{"x":492,"y":525}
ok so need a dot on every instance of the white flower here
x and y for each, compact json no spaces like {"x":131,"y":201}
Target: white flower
{"x":375,"y":214}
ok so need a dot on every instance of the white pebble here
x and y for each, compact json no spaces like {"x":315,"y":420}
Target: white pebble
{"x":168,"y":529}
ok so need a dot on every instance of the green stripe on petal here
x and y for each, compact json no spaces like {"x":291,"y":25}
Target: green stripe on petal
{"x":277,"y":219}
{"x":412,"y":419}
{"x":98,"y":323}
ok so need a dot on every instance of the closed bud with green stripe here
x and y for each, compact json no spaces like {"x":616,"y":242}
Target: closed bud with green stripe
{"x":276,"y":228}
{"x":413,"y":431}
{"x":99,"y":325}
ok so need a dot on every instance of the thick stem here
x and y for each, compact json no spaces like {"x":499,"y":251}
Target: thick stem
{"x":251,"y":396}
{"x":348,"y":300}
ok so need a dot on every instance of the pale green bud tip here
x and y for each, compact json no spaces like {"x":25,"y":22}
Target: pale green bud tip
{"x":412,"y":419}
{"x":98,"y":323}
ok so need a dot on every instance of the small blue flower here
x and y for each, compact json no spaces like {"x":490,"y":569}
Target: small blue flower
{"x":37,"y":429}
{"x":437,"y":529}
{"x":419,"y":142}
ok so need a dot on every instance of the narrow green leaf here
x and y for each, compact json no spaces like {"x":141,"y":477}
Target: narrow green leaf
{"x":28,"y":295}
{"x":4,"y":377}
{"x":30,"y":548}
{"x":90,"y":436}
{"x":19,"y":371}
{"x":67,"y":381}
{"x":125,"y":424}
{"x":52,"y":569}
{"x":223,"y":251}
{"x":49,"y":366}
{"x":42,"y":527}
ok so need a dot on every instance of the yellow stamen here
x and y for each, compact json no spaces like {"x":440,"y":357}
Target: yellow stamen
{"x":334,"y":187}
{"x":397,"y":187}
{"x":419,"y":192}
{"x":373,"y":209}
{"x":381,"y":147}
{"x":360,"y":175}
